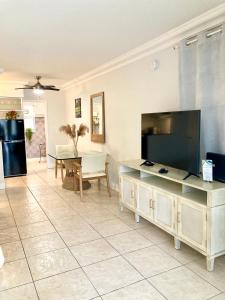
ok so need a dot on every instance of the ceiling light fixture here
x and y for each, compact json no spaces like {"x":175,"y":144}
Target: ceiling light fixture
{"x":38,"y":88}
{"x":38,"y":91}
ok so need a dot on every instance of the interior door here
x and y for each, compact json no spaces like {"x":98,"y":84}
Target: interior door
{"x":144,"y":201}
{"x":192,"y":223}
{"x":164,"y":210}
{"x":128,"y":193}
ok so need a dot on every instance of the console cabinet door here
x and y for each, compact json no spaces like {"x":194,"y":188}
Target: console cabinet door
{"x":144,"y":201}
{"x":128,"y":192}
{"x":164,"y":210}
{"x":191,"y":218}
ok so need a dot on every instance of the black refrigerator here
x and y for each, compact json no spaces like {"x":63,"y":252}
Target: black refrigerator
{"x":13,"y":147}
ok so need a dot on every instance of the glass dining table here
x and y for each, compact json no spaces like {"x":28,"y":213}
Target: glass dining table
{"x":65,"y":161}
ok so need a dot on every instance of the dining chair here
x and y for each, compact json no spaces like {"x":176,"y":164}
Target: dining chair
{"x":62,"y":151}
{"x":92,"y":166}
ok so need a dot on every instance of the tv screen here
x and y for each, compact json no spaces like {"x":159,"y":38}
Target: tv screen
{"x":172,"y":139}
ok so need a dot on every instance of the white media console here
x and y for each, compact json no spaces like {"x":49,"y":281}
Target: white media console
{"x":191,"y":210}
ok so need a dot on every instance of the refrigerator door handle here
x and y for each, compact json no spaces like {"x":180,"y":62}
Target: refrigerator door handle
{"x":14,"y":141}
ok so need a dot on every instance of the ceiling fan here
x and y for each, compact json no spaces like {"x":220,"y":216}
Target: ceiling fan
{"x":38,"y":88}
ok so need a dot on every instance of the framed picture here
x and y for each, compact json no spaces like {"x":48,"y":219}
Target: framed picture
{"x":78,"y":108}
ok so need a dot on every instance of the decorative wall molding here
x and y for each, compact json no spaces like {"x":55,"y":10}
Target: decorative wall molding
{"x":203,"y":22}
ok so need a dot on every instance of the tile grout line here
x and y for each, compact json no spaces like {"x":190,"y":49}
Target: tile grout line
{"x":65,"y":245}
{"x":186,"y":266}
{"x":22,"y":246}
{"x":105,"y":238}
{"x":119,"y":252}
{"x":102,"y":260}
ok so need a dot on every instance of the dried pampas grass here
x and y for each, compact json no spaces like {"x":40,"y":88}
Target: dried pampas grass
{"x":73,"y":132}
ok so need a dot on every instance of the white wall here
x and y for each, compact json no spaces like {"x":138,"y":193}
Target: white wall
{"x":56,"y":116}
{"x":129,"y":91}
{"x":7,"y":89}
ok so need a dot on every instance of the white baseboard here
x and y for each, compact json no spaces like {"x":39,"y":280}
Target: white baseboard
{"x":36,"y":159}
{"x":114,"y":186}
{"x":2,"y":185}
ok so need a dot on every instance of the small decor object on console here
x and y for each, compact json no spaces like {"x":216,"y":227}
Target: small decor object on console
{"x":74,"y":133}
{"x":207,"y":170}
{"x":163,"y":171}
{"x":11,"y":115}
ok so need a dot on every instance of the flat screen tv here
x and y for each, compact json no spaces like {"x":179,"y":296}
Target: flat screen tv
{"x":172,"y":139}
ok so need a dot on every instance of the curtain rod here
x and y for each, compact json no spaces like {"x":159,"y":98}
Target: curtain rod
{"x":208,"y":34}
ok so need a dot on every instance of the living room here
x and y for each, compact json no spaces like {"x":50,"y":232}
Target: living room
{"x":136,"y":60}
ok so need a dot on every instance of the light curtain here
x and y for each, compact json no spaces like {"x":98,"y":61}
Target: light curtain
{"x":202,"y":86}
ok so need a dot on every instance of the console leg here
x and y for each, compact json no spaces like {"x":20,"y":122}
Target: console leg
{"x":177,"y":243}
{"x":210,"y":264}
{"x":137,"y":218}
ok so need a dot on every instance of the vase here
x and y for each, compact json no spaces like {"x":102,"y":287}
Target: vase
{"x":75,"y":152}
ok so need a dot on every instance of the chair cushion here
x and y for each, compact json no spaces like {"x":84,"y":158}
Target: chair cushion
{"x":90,"y":175}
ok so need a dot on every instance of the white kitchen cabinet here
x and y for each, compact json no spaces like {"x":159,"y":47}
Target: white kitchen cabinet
{"x":191,"y":220}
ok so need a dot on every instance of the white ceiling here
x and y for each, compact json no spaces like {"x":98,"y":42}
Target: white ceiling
{"x":62,"y":39}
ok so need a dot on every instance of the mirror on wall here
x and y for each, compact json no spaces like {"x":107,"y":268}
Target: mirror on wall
{"x":97,"y":118}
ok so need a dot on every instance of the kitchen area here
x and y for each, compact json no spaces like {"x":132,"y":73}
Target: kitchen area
{"x":12,"y":150}
{"x":22,"y":135}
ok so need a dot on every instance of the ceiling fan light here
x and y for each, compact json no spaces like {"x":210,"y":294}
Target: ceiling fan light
{"x":38,"y":91}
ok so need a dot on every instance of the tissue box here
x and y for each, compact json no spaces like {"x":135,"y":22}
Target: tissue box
{"x":207,"y":170}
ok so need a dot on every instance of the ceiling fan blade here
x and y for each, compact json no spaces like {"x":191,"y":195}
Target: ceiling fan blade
{"x":24,"y":88}
{"x":50,"y":88}
{"x":39,"y":86}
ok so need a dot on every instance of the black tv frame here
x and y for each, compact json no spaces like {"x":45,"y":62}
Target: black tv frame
{"x":151,"y":161}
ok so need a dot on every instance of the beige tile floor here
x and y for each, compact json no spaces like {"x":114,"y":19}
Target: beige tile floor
{"x":57,"y":247}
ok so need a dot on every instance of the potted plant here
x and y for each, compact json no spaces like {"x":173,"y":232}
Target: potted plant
{"x":11,"y":115}
{"x":74,"y":133}
{"x":29,"y":135}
